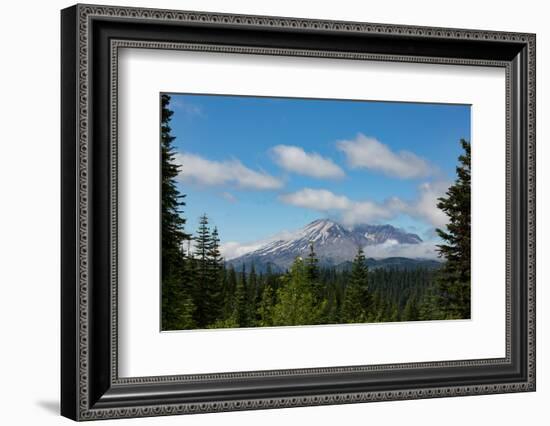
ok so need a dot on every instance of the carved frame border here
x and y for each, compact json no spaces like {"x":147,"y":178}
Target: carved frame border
{"x":85,"y":13}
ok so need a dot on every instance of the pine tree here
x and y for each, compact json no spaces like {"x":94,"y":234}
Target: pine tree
{"x":312,"y":268}
{"x":243,"y":313}
{"x":265,"y":307}
{"x":296,"y":302}
{"x":312,"y":264}
{"x":356,"y":296}
{"x":392,"y":312}
{"x":229,"y":315}
{"x":203,"y":245}
{"x":271,"y":279}
{"x":410,"y":312}
{"x":454,"y":277}
{"x":360,"y":277}
{"x":214,"y":254}
{"x":376,"y":307}
{"x":176,"y":300}
{"x":428,"y":308}
{"x":333,"y":310}
{"x":252,"y":287}
{"x":186,"y":304}
{"x":214,"y":281}
{"x":229,"y":293}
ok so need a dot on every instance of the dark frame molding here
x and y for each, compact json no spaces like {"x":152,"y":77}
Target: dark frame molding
{"x":91,"y":37}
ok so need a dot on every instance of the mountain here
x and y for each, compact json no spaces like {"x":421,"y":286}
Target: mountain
{"x":334,"y":245}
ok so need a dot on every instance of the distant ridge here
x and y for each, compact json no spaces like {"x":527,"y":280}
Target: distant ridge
{"x":334,"y":245}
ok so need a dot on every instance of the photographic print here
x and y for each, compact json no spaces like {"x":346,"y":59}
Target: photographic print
{"x":266,"y":183}
{"x":293,"y":211}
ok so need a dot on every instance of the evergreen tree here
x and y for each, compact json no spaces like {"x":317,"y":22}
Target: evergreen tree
{"x":312,"y":265}
{"x":230,"y":288}
{"x":360,"y":277}
{"x":214,"y":282}
{"x":333,"y":311}
{"x":186,"y":304}
{"x":454,"y":277}
{"x":376,"y":308}
{"x":229,"y":315}
{"x":410,"y":312}
{"x":392,"y":312}
{"x":252,"y":287}
{"x":428,"y":308}
{"x":244,"y":314}
{"x":352,"y":309}
{"x":173,"y":222}
{"x":265,"y":308}
{"x":356,"y":297}
{"x":296,"y":302}
{"x":214,"y":255}
{"x":176,"y":300}
{"x":312,"y":269}
{"x":203,"y":245}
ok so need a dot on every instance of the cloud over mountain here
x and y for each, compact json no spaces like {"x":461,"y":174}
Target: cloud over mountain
{"x":351,"y":212}
{"x":391,"y":248}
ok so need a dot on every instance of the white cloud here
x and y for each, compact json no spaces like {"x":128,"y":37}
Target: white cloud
{"x":423,"y":207}
{"x":352,"y":212}
{"x":317,"y":199}
{"x":229,"y":172}
{"x":367,"y":212}
{"x":295,"y":159}
{"x":391,"y":248}
{"x":232,"y":249}
{"x":369,"y":153}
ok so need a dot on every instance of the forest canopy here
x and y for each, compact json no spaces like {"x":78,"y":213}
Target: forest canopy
{"x":199,"y":290}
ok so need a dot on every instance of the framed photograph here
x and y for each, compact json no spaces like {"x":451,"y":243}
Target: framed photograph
{"x":263,"y":212}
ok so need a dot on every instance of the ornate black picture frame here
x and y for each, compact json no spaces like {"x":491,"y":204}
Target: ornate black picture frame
{"x":91,"y":36}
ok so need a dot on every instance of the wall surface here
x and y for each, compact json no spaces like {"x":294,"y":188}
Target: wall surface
{"x":29,"y":212}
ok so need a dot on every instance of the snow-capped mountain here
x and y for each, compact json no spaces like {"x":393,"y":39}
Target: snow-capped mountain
{"x":333,"y":243}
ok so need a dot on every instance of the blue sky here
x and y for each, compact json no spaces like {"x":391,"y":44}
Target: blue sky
{"x":258,"y":166}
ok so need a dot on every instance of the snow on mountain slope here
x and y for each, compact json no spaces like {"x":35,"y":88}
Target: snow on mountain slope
{"x":333,"y":243}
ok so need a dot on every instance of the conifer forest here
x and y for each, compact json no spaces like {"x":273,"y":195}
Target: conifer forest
{"x":200,"y":290}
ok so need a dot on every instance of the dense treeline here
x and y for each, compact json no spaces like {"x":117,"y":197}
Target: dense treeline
{"x":304,"y":295}
{"x":199,"y":291}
